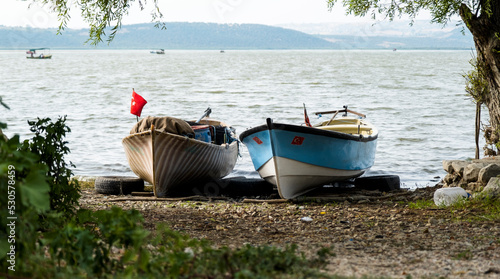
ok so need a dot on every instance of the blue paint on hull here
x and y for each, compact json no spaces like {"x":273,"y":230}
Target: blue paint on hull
{"x":259,"y":146}
{"x":324,"y":151}
{"x":309,"y":145}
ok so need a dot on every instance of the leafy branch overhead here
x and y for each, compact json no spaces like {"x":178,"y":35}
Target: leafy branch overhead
{"x":441,"y":11}
{"x":101,"y":15}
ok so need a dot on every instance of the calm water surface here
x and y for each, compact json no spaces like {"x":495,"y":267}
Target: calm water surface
{"x":416,"y":98}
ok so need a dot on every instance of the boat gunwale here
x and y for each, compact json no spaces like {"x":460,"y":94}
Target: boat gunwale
{"x":48,"y":56}
{"x":308,"y":130}
{"x":148,"y":132}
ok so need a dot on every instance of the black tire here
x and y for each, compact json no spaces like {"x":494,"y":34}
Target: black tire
{"x":385,"y":183}
{"x":241,"y":186}
{"x":116,"y":185}
{"x":232,"y":187}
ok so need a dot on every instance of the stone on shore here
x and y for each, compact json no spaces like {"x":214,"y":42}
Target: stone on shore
{"x":473,"y":175}
{"x":471,"y":171}
{"x":492,"y":189}
{"x":459,"y":166}
{"x":454,"y":166}
{"x":491,"y":170}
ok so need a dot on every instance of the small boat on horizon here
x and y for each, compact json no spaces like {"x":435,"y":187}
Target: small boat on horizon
{"x":43,"y":53}
{"x":160,"y":51}
{"x":298,"y":159}
{"x":171,"y":153}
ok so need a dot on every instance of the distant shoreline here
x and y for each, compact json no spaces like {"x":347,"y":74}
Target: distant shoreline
{"x":211,"y":36}
{"x":242,"y":49}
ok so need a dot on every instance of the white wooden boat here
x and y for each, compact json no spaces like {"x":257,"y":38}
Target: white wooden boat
{"x":43,"y":53}
{"x":298,"y":158}
{"x":171,"y":154}
{"x":160,"y":51}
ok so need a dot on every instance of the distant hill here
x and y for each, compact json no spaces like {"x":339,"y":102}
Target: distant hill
{"x":452,"y":40}
{"x":399,"y":34}
{"x":176,"y":36}
{"x":180,"y":35}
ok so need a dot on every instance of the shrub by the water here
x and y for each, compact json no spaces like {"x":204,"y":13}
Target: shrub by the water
{"x":49,"y":144}
{"x":24,"y":196}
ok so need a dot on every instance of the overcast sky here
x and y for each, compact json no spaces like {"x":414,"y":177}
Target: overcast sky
{"x":269,"y":12}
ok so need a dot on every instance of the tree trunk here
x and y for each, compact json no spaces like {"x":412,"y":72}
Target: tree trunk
{"x":486,"y":32}
{"x":478,"y":128}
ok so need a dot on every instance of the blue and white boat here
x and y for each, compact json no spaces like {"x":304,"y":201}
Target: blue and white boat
{"x":299,"y":158}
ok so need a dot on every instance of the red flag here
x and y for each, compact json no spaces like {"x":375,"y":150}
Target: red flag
{"x":306,"y":118}
{"x":138,"y":103}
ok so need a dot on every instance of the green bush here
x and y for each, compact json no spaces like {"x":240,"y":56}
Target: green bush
{"x":48,"y":143}
{"x":178,"y":256}
{"x":88,"y":248}
{"x":25,"y":195}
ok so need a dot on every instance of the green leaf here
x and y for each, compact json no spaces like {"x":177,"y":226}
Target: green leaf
{"x":35,"y":191}
{"x":84,"y":216}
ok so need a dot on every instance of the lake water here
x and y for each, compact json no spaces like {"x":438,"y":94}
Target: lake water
{"x":415,"y":98}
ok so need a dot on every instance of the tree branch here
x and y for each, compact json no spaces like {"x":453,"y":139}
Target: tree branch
{"x":467,"y":16}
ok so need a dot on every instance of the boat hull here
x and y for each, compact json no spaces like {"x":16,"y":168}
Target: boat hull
{"x":48,"y":56}
{"x":169,"y":161}
{"x":297,"y":158}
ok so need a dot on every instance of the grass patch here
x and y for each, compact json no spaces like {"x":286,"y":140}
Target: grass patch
{"x":86,"y":185}
{"x":464,"y":255}
{"x":479,"y":208}
{"x":422,"y":204}
{"x":484,"y":208}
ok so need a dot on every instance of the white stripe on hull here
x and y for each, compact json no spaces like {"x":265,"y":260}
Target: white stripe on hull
{"x":177,"y":160}
{"x":139,"y":152}
{"x":294,"y":178}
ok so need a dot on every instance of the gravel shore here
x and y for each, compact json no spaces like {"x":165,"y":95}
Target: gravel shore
{"x":381,"y":235}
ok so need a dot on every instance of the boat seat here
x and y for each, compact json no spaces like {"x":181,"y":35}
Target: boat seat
{"x":348,"y":129}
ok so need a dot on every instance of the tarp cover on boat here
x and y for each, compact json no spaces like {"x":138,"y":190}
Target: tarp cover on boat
{"x":165,"y":124}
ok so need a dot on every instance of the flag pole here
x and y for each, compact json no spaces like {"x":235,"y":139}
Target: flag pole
{"x":137,"y":104}
{"x":306,"y":117}
{"x":136,"y":117}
